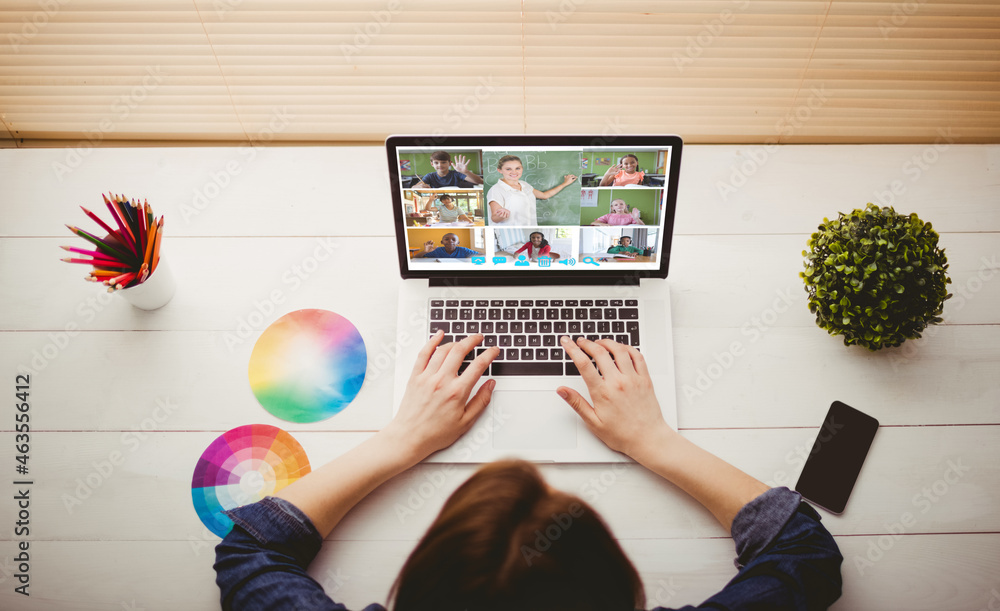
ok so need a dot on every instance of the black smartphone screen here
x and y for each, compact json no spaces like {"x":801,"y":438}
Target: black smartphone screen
{"x":835,"y":461}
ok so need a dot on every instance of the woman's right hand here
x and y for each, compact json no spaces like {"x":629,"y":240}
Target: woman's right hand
{"x":625,"y":415}
{"x":499,"y":214}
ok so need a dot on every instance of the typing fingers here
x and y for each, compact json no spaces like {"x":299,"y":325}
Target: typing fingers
{"x":458,"y":352}
{"x":424,"y":356}
{"x":623,"y":360}
{"x":587,"y":370}
{"x":601,"y":356}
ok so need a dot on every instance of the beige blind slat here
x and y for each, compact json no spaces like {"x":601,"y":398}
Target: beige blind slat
{"x":314,"y":70}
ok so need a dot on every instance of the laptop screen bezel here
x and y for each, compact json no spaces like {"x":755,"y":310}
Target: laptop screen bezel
{"x":483,"y":276}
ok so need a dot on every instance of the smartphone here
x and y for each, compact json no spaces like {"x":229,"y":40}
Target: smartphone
{"x":834,"y":463}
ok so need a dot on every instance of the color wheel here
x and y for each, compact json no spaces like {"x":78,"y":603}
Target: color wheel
{"x":308,"y":365}
{"x":243,"y":466}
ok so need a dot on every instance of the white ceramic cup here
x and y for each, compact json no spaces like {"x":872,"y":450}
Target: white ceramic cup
{"x":155,"y":292}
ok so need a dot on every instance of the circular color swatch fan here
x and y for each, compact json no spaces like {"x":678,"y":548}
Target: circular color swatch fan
{"x":308,"y":365}
{"x":242,"y":466}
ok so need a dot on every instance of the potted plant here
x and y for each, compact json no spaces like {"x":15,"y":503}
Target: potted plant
{"x":876,"y":277}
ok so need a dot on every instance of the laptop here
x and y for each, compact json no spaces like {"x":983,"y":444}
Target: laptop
{"x":525,"y":239}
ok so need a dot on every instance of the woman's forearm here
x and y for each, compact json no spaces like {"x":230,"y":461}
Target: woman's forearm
{"x":327,"y":494}
{"x":719,"y":486}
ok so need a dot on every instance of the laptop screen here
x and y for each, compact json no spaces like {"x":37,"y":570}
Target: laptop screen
{"x":503,"y":205}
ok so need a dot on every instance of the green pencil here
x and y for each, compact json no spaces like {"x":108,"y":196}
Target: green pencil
{"x":103,"y":246}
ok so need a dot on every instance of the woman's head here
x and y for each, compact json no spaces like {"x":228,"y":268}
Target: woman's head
{"x":619,"y":206}
{"x":505,"y":540}
{"x":537,"y":239}
{"x":510,"y":167}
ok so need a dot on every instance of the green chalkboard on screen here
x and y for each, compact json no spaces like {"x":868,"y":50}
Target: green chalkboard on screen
{"x":544,"y":170}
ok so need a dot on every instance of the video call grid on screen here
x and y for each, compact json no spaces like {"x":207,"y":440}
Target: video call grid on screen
{"x":600,"y":207}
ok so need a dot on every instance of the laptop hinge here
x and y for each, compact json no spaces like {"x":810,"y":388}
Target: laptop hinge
{"x":531,"y":280}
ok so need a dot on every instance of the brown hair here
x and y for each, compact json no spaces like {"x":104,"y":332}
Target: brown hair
{"x":440,"y":156}
{"x":505,"y":540}
{"x":507,"y":158}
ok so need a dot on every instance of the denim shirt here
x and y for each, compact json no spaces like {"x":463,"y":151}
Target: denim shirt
{"x":786,"y":559}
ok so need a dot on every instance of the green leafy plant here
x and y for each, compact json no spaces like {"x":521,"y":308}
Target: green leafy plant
{"x":876,"y":277}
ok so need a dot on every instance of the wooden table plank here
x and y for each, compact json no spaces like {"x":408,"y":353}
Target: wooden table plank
{"x":724,"y":189}
{"x":716,"y":281}
{"x":111,"y":486}
{"x":782,"y":377}
{"x":953,"y":572}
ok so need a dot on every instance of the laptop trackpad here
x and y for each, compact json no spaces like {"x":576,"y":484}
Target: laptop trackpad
{"x":528,"y":420}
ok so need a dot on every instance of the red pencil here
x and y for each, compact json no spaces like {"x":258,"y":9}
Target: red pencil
{"x":122,"y":279}
{"x":98,"y":220}
{"x":116,"y":213}
{"x":143,"y":228}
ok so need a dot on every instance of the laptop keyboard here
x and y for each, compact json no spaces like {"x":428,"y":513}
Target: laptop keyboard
{"x":527,"y":331}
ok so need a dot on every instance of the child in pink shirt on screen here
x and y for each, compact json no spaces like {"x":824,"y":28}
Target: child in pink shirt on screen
{"x":625,"y":173}
{"x":619,"y":215}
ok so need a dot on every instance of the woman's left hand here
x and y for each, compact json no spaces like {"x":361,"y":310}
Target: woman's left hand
{"x":436,"y":409}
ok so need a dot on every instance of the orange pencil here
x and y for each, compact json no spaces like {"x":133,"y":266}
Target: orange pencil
{"x":148,"y":255}
{"x":156,"y":247}
{"x":104,"y":273}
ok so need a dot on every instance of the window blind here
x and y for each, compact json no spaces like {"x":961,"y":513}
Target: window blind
{"x":113,"y":71}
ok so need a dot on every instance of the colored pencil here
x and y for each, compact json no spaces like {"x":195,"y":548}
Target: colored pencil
{"x":147,"y":257}
{"x":98,"y":262}
{"x":100,"y":244}
{"x":84,"y":251}
{"x":98,"y":220}
{"x":126,"y":256}
{"x":156,"y":247}
{"x":122,"y":279}
{"x":99,"y":257}
{"x":119,"y":216}
{"x":144,"y":218}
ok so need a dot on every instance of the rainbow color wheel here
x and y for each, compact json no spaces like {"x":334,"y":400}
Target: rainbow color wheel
{"x":308,"y":365}
{"x":243,"y":466}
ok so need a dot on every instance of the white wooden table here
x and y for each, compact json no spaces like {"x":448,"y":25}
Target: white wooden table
{"x":123,"y":401}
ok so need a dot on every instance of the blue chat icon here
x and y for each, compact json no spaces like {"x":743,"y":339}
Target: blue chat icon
{"x":479,"y":260}
{"x":499,"y":260}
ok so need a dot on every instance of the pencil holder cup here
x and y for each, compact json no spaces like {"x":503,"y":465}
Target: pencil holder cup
{"x":155,"y":292}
